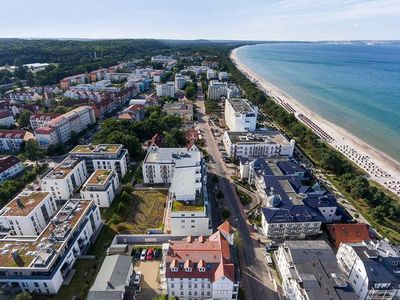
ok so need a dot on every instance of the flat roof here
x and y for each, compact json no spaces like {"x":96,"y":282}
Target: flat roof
{"x":180,"y":156}
{"x":99,"y":177}
{"x":100,"y":148}
{"x":256,"y":137}
{"x":39,"y":252}
{"x":24,"y":204}
{"x":184,"y":181}
{"x":240,"y":105}
{"x":63,"y":169}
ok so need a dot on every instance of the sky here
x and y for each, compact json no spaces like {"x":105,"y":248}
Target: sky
{"x":202,"y":19}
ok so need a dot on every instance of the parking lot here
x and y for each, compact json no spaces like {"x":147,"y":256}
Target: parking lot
{"x":149,"y":283}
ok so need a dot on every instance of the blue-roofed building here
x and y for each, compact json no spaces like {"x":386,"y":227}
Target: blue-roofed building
{"x":292,"y":208}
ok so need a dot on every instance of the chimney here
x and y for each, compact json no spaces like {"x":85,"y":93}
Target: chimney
{"x":202,"y":239}
{"x":189,"y":239}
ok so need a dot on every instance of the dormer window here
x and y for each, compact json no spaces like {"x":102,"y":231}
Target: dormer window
{"x":174,"y":269}
{"x":188,"y":269}
{"x":202,"y":269}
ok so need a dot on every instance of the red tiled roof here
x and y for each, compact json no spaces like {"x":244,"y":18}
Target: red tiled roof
{"x":348,"y":233}
{"x":225,"y":269}
{"x":226,"y":227}
{"x":44,"y":130}
{"x":7,"y":162}
{"x":12,"y":134}
{"x":127,"y":116}
{"x":5,"y":114}
{"x":44,"y":116}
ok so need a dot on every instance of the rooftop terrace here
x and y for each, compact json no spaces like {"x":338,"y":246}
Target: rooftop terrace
{"x":24,"y":203}
{"x":101,"y":148}
{"x":99,"y":177}
{"x":187,"y":206}
{"x":240,"y":105}
{"x":265,"y":136}
{"x":63,"y":169}
{"x":39,"y":252}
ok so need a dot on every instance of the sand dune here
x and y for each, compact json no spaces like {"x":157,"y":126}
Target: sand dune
{"x":382,"y":168}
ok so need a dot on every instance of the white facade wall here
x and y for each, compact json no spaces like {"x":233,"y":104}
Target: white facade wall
{"x":237,"y":121}
{"x":12,"y":171}
{"x":199,"y":288}
{"x":111,"y":164}
{"x":184,"y":223}
{"x":104,"y":197}
{"x":31,"y":224}
{"x":166,"y":89}
{"x":7,"y":121}
{"x":180,"y":82}
{"x":216,"y":90}
{"x":64,"y":188}
{"x":212,"y":74}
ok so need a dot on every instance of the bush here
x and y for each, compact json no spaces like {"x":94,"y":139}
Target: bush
{"x":225,"y":214}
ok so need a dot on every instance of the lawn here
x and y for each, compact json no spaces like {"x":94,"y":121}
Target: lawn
{"x":144,"y":212}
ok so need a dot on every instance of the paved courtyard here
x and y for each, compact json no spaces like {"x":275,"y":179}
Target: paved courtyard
{"x":150,"y":278}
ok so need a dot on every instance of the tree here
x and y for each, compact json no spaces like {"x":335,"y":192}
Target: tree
{"x":23,"y":296}
{"x":33,"y":151}
{"x":121,"y":207}
{"x":225,"y":214}
{"x":23,"y":120}
{"x":378,"y":214}
{"x":191,"y":90}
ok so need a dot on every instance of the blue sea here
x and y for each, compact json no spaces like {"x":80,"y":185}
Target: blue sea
{"x":355,"y":86}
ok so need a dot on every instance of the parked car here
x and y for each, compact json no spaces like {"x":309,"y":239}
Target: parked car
{"x":268,"y":258}
{"x":137,"y":254}
{"x":157,"y":254}
{"x":143,"y":254}
{"x":149,"y":255}
{"x":138,"y":277}
{"x":272,"y":246}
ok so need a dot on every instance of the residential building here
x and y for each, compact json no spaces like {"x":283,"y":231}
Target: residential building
{"x":133,"y":113}
{"x":372,"y":269}
{"x":103,"y":156}
{"x":60,"y":129}
{"x":97,"y":74}
{"x":210,"y":64}
{"x":184,"y":110}
{"x":166,"y":89}
{"x":27,"y":214}
{"x":162,"y":59}
{"x":309,"y":270}
{"x":113,"y":278}
{"x":157,"y":76}
{"x":198,"y":70}
{"x":223,"y":76}
{"x":351,"y":233}
{"x":180,"y":81}
{"x":38,"y":120}
{"x":291,"y":208}
{"x":12,"y":140}
{"x":6,"y":118}
{"x":71,"y":80}
{"x":40,"y":264}
{"x":101,"y":187}
{"x":10,"y":166}
{"x":265,"y":143}
{"x":66,"y":178}
{"x":157,"y":139}
{"x":217,"y":89}
{"x":188,"y":208}
{"x":202,"y":268}
{"x":211,"y":74}
{"x":233,"y":91}
{"x":35,"y":67}
{"x":240,"y":115}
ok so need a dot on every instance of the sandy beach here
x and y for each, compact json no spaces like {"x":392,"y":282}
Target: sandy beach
{"x":382,"y":168}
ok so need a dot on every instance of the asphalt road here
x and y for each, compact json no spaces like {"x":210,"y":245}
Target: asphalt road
{"x":256,"y":278}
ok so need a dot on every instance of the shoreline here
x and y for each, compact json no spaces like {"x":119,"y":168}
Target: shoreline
{"x":381,"y":167}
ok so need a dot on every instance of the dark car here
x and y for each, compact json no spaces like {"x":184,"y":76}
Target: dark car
{"x":137,"y":254}
{"x":272,"y":246}
{"x":157,"y":254}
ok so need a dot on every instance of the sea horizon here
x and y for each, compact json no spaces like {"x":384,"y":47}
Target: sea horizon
{"x":354,"y":86}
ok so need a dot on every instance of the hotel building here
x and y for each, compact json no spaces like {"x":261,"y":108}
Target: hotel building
{"x":202,"y":268}
{"x":372,"y":269}
{"x":269,"y":143}
{"x":188,"y":208}
{"x":101,"y":187}
{"x":240,"y":115}
{"x":103,"y":156}
{"x":309,"y":270}
{"x":27,"y":214}
{"x":65,"y":179}
{"x":40,"y":264}
{"x":217,"y":89}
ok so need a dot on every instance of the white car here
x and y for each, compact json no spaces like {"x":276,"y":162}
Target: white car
{"x":268,"y":258}
{"x":143,"y":254}
{"x":138,"y":277}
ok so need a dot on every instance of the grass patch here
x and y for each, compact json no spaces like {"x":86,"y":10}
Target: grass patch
{"x":141,"y":212}
{"x":244,"y":198}
{"x":182,"y":206}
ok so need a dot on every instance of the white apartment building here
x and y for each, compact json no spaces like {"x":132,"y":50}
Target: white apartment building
{"x":166,"y":89}
{"x":103,"y":156}
{"x":264,"y":143}
{"x":60,"y":129}
{"x":101,"y":187}
{"x":233,"y":91}
{"x":65,"y":179}
{"x":188,"y":208}
{"x":212,"y":74}
{"x":7,"y":118}
{"x":309,"y":270}
{"x":217,"y":89}
{"x":223,"y":76}
{"x":10,"y":166}
{"x":372,"y":269}
{"x":40,"y":264}
{"x":240,"y":115}
{"x":180,"y":81}
{"x":27,"y":214}
{"x":201,"y":268}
